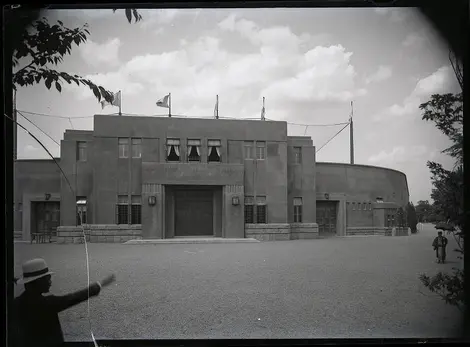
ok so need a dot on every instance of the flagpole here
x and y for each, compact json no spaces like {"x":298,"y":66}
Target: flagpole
{"x":264,"y":110}
{"x":217,"y":108}
{"x":169,"y":105}
{"x":120,"y":102}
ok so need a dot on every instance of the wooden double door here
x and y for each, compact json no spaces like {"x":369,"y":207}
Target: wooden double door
{"x":47,"y":217}
{"x":194,"y":212}
{"x":326,"y":218}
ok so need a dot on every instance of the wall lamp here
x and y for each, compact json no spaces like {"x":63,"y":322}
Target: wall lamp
{"x":47,"y":196}
{"x":327,"y":196}
{"x":235,"y":201}
{"x":152,"y":200}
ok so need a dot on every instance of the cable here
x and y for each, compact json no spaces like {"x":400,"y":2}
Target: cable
{"x":70,"y":120}
{"x":38,"y":127}
{"x":183,"y":116}
{"x":332,"y":137}
{"x":81,"y":225}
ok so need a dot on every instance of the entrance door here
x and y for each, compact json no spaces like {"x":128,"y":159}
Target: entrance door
{"x":326,"y":218}
{"x":47,"y":217}
{"x":194,"y":213}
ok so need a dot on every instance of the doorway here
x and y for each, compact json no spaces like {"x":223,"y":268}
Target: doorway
{"x":326,"y":218}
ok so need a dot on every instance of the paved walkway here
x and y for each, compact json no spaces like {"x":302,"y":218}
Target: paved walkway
{"x":340,"y":287}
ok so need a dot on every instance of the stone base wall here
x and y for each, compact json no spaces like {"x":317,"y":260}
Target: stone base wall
{"x":365,"y":231}
{"x":99,"y":233}
{"x":281,"y":232}
{"x":401,"y":231}
{"x":301,"y":231}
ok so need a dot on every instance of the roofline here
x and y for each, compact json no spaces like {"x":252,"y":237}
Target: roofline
{"x":363,"y":165}
{"x":186,"y":117}
{"x":56,"y":158}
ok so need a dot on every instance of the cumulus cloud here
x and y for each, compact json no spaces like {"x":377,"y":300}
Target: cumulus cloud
{"x":399,"y":155}
{"x":396,"y":15}
{"x":440,"y":82}
{"x":383,"y":73}
{"x":29,"y":149}
{"x":414,"y":39}
{"x":201,"y":68}
{"x":96,"y":54}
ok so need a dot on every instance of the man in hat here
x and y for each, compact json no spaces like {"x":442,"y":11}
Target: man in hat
{"x":36,"y":315}
{"x":439,"y":244}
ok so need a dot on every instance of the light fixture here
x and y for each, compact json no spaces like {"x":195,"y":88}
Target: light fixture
{"x":327,"y":196}
{"x":47,"y":196}
{"x":235,"y":201}
{"x":152,"y":200}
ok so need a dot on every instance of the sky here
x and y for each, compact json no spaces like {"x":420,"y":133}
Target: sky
{"x":309,"y":64}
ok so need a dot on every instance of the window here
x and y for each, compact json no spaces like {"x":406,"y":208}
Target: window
{"x":194,"y":150}
{"x":173,"y":150}
{"x":249,"y":210}
{"x":122,"y":209}
{"x":123,"y":148}
{"x":248,"y":150}
{"x":370,"y":206}
{"x":136,"y":148}
{"x":136,"y":209}
{"x":390,"y":217}
{"x":365,"y":206}
{"x":81,"y":210}
{"x":214,"y":150}
{"x":354,"y":206}
{"x":297,"y":210}
{"x":261,"y":210}
{"x":260,"y":150}
{"x":81,"y":151}
{"x":20,"y":207}
{"x":298,"y":155}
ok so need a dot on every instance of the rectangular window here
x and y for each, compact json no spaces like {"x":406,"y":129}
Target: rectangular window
{"x":122,"y":209}
{"x":365,"y":206}
{"x":370,"y":206}
{"x":249,"y":209}
{"x":248,"y":146}
{"x":81,"y":151}
{"x":136,"y":209}
{"x":260,"y":150}
{"x":123,"y":147}
{"x":358,"y":206}
{"x":194,"y":150}
{"x":20,"y":207}
{"x":354,"y":206}
{"x":213,"y":151}
{"x":173,"y":150}
{"x":297,"y":210}
{"x":81,"y":210}
{"x":261,"y":210}
{"x":136,"y":148}
{"x":298,"y":155}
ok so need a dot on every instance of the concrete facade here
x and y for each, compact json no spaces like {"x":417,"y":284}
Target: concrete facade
{"x":278,"y":178}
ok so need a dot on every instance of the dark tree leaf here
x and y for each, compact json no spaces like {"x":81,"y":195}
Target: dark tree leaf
{"x":96,"y":91}
{"x":58,"y":86}
{"x":49,"y":82}
{"x":129,"y":15}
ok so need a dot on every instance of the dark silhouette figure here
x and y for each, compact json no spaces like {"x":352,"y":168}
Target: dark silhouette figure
{"x":439,"y":244}
{"x":36,"y":320}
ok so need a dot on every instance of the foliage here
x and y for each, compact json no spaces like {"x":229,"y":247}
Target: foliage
{"x":427,"y":213}
{"x":446,"y":111}
{"x":412,"y":220}
{"x":42,"y":47}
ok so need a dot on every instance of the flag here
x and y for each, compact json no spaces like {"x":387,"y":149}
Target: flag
{"x":263,"y":111}
{"x":216,"y":108}
{"x":116,"y":101}
{"x":164,"y":102}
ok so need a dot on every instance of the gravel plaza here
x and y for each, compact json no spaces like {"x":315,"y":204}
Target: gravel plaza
{"x":326,"y":288}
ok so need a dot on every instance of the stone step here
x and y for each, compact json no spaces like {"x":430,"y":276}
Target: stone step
{"x":190,"y":240}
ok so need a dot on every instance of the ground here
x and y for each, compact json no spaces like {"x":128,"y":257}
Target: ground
{"x":338,"y":287}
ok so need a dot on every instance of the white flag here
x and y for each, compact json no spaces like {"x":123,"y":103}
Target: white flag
{"x":164,"y":102}
{"x":116,"y":101}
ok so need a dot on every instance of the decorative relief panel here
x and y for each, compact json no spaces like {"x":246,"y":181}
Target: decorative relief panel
{"x":233,"y":189}
{"x":151,"y":188}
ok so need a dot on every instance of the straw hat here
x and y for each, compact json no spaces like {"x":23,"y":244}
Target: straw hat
{"x":34,"y":269}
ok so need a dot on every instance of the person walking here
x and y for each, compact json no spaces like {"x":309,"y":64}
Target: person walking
{"x":439,"y":244}
{"x":36,"y":319}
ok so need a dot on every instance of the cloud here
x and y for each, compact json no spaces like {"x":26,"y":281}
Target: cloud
{"x":440,"y":82}
{"x":383,"y":73}
{"x":30,"y":149}
{"x":399,"y":155}
{"x":414,"y":39}
{"x":101,"y":54}
{"x":199,"y":69}
{"x":396,"y":15}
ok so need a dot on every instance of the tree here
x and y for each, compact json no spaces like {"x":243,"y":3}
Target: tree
{"x":38,"y":51}
{"x":411,"y":216}
{"x":446,"y":111}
